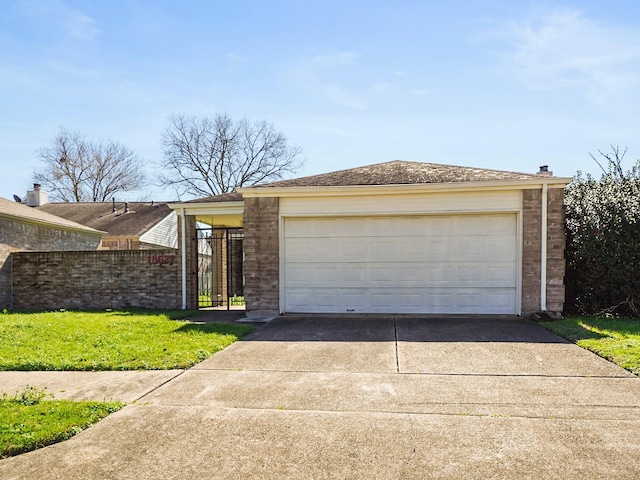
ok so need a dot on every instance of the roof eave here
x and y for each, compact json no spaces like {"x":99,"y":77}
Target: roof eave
{"x":219,"y":208}
{"x":44,"y":223}
{"x":316,"y":191}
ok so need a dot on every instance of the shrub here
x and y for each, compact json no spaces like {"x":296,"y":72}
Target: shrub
{"x":603,"y":235}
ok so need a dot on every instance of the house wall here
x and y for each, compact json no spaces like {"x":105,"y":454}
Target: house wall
{"x":97,"y":280}
{"x":261,"y":253}
{"x":556,"y":244}
{"x":18,"y":236}
{"x":120,"y":243}
{"x":532,"y":248}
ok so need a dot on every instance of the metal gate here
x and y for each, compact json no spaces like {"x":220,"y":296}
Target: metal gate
{"x":220,"y":268}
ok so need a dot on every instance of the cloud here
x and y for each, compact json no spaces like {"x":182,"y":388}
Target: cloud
{"x":236,"y":58}
{"x":325,"y":76}
{"x":566,"y":49}
{"x":80,"y":26}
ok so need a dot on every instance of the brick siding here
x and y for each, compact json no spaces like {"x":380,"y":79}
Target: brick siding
{"x":531,"y":250}
{"x":192,"y":260}
{"x":17,"y":236}
{"x":261,"y":253}
{"x":556,"y":242}
{"x":96,"y":280}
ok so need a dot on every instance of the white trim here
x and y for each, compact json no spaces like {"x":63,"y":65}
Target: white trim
{"x":280,"y":263}
{"x":183,"y":241}
{"x":543,"y":251}
{"x":519,"y":256}
{"x":209,"y":208}
{"x":534,"y":183}
{"x":403,"y":204}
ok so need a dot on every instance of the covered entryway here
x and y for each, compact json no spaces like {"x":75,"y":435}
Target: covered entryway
{"x":220,"y":267}
{"x":457,"y":264}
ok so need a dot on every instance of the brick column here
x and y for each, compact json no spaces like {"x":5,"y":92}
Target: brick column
{"x":531,"y":245}
{"x":556,"y":242}
{"x":192,"y":258}
{"x":261,"y":254}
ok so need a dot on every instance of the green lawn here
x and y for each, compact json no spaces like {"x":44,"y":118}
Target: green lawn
{"x":30,"y":420}
{"x":119,"y":340}
{"x":616,"y":340}
{"x":204,"y":300}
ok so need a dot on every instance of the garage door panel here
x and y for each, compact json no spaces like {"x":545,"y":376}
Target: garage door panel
{"x":501,"y":275}
{"x":418,"y":264}
{"x":437,"y":249}
{"x":382,"y":249}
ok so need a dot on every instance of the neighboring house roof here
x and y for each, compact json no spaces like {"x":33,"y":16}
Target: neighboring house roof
{"x":399,"y":172}
{"x":141,"y":216}
{"x":22,"y":213}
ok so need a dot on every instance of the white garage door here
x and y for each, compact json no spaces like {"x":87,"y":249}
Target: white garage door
{"x":412,"y":264}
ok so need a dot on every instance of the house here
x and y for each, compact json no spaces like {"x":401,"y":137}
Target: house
{"x":23,"y":228}
{"x":129,"y":225}
{"x":395,"y":237}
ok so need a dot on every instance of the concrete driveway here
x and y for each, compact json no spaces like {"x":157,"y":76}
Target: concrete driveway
{"x":371,"y":397}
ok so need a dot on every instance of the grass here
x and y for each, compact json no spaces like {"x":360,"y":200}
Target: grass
{"x":234,"y":301}
{"x":119,"y":340}
{"x":29,"y":420}
{"x":616,"y":340}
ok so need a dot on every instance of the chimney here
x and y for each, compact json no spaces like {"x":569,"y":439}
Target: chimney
{"x":36,"y":197}
{"x":544,"y":171}
{"x":113,"y":208}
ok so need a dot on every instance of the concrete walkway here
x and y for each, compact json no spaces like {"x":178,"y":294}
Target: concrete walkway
{"x":373,"y":397}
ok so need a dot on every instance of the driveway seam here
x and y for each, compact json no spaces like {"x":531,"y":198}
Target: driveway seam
{"x":158,"y":386}
{"x":461,"y":414}
{"x":426,"y":374}
{"x":395,"y":334}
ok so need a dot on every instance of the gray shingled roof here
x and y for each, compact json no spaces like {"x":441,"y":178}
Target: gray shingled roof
{"x":399,"y":172}
{"x":19,"y":212}
{"x":99,"y":215}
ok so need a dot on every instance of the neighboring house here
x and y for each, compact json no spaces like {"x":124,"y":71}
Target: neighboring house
{"x":23,"y":228}
{"x":129,"y":226}
{"x":396,"y":237}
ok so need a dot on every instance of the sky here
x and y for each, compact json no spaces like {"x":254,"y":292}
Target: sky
{"x":501,"y":84}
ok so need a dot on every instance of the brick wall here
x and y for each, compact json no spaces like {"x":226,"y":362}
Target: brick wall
{"x":261,"y":253}
{"x":531,"y":250}
{"x":531,"y":245}
{"x":17,"y":236}
{"x":556,"y":242}
{"x":96,"y":280}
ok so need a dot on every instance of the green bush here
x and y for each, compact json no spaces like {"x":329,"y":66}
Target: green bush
{"x":603,"y":239}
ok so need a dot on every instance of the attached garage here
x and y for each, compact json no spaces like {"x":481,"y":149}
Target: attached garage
{"x":396,"y":237}
{"x":405,"y":264}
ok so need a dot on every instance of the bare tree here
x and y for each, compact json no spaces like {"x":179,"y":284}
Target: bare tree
{"x":614,"y":161}
{"x":210,"y":156}
{"x":77,"y":170}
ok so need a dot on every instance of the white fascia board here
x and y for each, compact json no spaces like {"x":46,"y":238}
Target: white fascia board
{"x":534,"y":183}
{"x":209,"y":208}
